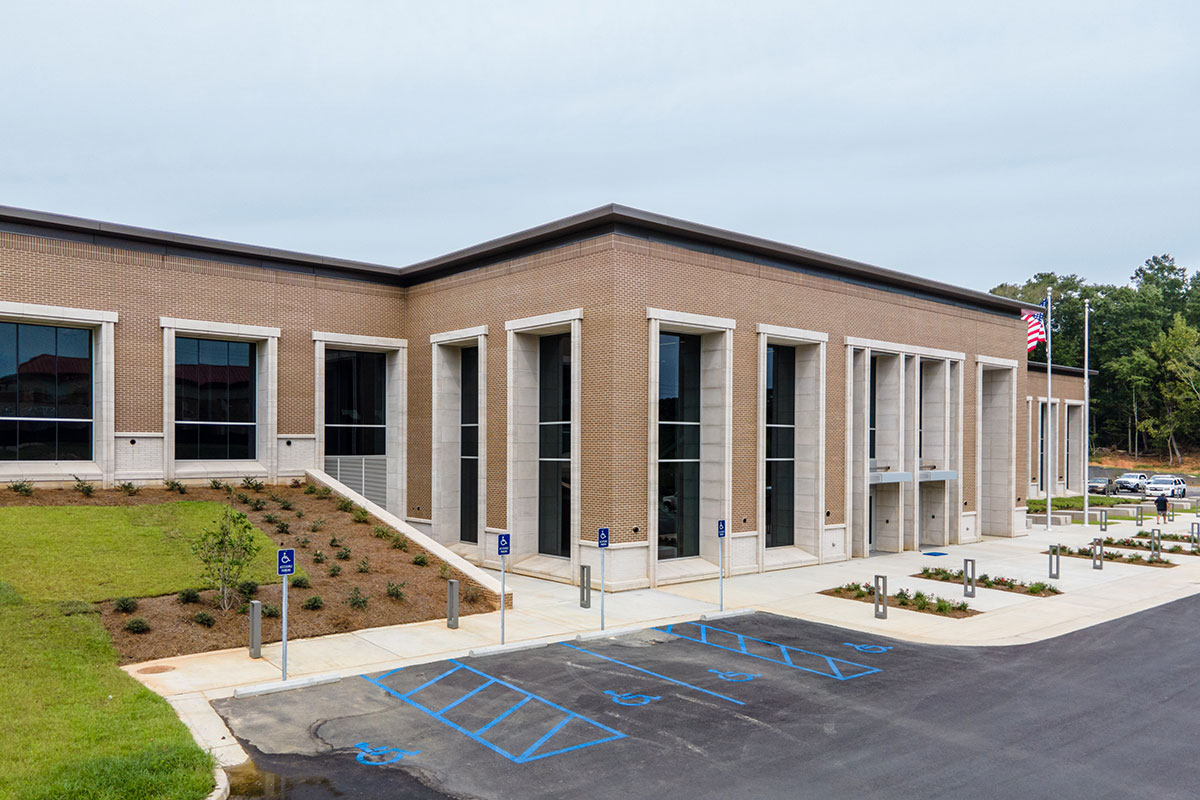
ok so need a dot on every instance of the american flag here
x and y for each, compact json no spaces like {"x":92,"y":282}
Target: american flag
{"x":1036,"y":321}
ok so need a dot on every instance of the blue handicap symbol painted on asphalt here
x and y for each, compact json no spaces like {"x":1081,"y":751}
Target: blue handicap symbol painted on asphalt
{"x":738,"y":677}
{"x":867,"y":648}
{"x":630,"y":699}
{"x":374,"y":753}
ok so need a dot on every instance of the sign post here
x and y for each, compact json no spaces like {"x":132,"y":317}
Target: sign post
{"x":721,"y":560}
{"x":502,"y":547}
{"x":602,"y":543}
{"x":285,"y":564}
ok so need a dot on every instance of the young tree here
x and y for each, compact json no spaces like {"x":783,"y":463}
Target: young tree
{"x":225,"y":551}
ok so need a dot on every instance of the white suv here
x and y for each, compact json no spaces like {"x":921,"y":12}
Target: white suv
{"x":1167,"y":485}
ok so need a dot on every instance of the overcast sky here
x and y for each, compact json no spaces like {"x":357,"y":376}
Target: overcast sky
{"x":968,"y":145}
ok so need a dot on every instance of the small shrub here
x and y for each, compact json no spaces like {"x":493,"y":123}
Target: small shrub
{"x":189,"y":596}
{"x":1036,"y":588}
{"x":285,"y":504}
{"x":1134,"y":557}
{"x":361,"y":516}
{"x":444,"y":571}
{"x":421,"y":560}
{"x":126,"y":605}
{"x":83,"y":487}
{"x":282,"y":526}
{"x":129,"y":488}
{"x":399,"y":542}
{"x":343,"y":554}
{"x":335,"y":541}
{"x":472,"y":594}
{"x":319,"y":557}
{"x":242,"y":497}
{"x":335,"y":570}
{"x":216,"y":483}
{"x":301,"y":582}
{"x":396,"y":590}
{"x":860,"y":592}
{"x":137,"y":625}
{"x":244,"y":608}
{"x":204,"y":618}
{"x":344,"y":505}
{"x":310,"y":488}
{"x":357,"y":599}
{"x":225,"y":551}
{"x":314,"y":603}
{"x":961,"y":606}
{"x":274,"y":497}
{"x":316,"y":525}
{"x":381,"y":532}
{"x":323,"y":492}
{"x":920,"y":600}
{"x":295,"y":483}
{"x":173,"y":485}
{"x":903,"y":597}
{"x":270,"y":518}
{"x":23,"y":488}
{"x":942,"y":606}
{"x":304,"y":541}
{"x":299,"y":513}
{"x":256,"y":503}
{"x":252,"y":484}
{"x":247,"y":589}
{"x":364,"y":566}
{"x":271,"y":612}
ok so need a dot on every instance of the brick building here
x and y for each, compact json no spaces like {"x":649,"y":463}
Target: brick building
{"x":614,"y":369}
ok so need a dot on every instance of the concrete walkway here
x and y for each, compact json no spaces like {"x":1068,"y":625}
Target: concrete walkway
{"x":548,"y":612}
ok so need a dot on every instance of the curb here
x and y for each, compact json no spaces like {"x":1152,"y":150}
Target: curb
{"x":583,"y":637}
{"x":283,"y":686}
{"x":221,"y":790}
{"x":738,"y":612}
{"x":494,"y":649}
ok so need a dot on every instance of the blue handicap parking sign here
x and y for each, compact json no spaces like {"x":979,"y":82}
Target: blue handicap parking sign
{"x":502,"y":546}
{"x":286,"y":562}
{"x":602,"y":537}
{"x":720,"y":529}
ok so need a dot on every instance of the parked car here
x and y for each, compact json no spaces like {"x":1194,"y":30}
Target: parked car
{"x":1131,"y":482}
{"x":1167,"y":485}
{"x":1102,"y":485}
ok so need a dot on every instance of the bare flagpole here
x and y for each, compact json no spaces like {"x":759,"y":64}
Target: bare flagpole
{"x":1050,"y":441}
{"x":1087,"y":402}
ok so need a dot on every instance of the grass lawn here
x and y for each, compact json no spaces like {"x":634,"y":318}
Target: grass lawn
{"x":101,"y":552}
{"x":1076,"y":503}
{"x":77,"y":726}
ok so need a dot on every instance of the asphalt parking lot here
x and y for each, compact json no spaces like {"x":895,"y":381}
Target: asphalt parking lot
{"x":759,"y":706}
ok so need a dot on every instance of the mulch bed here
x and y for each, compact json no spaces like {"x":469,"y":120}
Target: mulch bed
{"x":1133,"y":544}
{"x":1120,"y":559}
{"x":984,"y":582}
{"x":893,"y":602}
{"x":173,"y":631}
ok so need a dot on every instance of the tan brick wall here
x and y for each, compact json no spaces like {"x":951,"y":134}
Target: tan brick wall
{"x":141,"y":287}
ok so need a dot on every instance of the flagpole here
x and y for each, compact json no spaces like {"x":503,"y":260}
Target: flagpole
{"x":1050,"y":441}
{"x":1087,"y":402}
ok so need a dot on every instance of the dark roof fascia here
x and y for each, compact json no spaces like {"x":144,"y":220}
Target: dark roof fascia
{"x":623,"y":218}
{"x":1059,"y":369}
{"x":109,"y":234}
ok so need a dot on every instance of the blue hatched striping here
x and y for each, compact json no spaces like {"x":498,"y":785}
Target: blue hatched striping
{"x":816,"y":663}
{"x":530,"y":753}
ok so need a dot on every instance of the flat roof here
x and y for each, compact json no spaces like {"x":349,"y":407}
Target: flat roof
{"x":612,"y":218}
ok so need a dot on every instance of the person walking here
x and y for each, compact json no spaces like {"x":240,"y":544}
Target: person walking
{"x":1160,"y":510}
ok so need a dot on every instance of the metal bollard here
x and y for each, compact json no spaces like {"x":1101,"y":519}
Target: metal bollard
{"x":1170,"y":512}
{"x":968,"y":577}
{"x":452,"y":604}
{"x":1097,"y":554}
{"x":585,"y":586}
{"x":1155,"y":544}
{"x":1103,"y":519}
{"x":1055,"y":560}
{"x":1140,"y":516}
{"x":881,"y":603}
{"x":1195,"y":536}
{"x":255,"y":629}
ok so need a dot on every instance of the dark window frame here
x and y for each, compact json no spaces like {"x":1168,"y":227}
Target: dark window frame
{"x":780,"y":428}
{"x":231,"y":424}
{"x":679,"y":401}
{"x":554,"y":444}
{"x":25,"y":433}
{"x":355,"y":438}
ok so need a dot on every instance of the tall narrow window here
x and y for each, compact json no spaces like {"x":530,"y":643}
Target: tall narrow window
{"x":554,"y":445}
{"x":355,"y":423}
{"x":214,"y":400}
{"x":1041,"y":446}
{"x":781,"y":445}
{"x":468,"y":503}
{"x":678,"y":445}
{"x":920,"y":413}
{"x":871,"y":409}
{"x":45,"y":393}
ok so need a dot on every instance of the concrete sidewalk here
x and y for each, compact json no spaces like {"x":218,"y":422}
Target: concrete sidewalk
{"x":548,"y":612}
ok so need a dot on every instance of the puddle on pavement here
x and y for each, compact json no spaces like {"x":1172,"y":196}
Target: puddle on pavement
{"x":248,"y":781}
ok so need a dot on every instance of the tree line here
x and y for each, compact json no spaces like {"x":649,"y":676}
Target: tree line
{"x":1145,"y":343}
